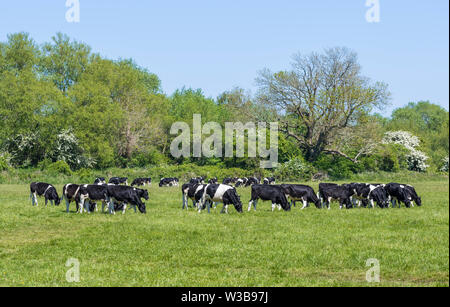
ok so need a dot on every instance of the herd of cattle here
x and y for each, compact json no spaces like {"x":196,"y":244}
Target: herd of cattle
{"x":117,"y":195}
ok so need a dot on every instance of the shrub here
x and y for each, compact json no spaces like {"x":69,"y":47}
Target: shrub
{"x":59,"y":167}
{"x":416,"y":159}
{"x":444,"y":167}
{"x":5,"y":161}
{"x":295,"y":169}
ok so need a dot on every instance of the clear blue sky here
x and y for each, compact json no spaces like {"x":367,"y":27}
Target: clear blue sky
{"x":216,"y":45}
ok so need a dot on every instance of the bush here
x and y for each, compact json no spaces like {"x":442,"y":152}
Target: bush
{"x":4,"y":162}
{"x":295,"y":169}
{"x":60,"y":167}
{"x":444,"y":167}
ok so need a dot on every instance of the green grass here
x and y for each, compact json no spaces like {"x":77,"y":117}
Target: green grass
{"x":169,"y":247}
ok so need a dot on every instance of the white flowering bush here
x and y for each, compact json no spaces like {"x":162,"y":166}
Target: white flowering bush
{"x":415,"y":158}
{"x":294,"y":169}
{"x":444,"y":167}
{"x":67,"y":149}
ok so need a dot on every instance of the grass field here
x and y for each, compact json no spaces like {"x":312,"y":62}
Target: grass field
{"x":171,"y":247}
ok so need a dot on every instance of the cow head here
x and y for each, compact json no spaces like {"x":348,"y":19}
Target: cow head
{"x":142,"y":208}
{"x":56,"y":197}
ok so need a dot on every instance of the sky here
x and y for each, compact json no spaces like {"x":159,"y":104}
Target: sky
{"x":216,"y":45}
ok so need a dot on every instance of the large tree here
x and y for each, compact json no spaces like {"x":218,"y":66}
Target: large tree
{"x":322,"y":99}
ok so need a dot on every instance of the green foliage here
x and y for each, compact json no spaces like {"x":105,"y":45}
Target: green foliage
{"x":4,"y":162}
{"x":59,"y":167}
{"x":295,"y":170}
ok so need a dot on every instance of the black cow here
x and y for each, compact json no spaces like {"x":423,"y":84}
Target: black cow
{"x":269,"y":192}
{"x":118,"y":180}
{"x":342,"y":193}
{"x":221,"y":193}
{"x":227,"y":181}
{"x":169,"y":182}
{"x":127,"y":195}
{"x":269,"y":180}
{"x":252,"y":181}
{"x":92,"y":193}
{"x":297,"y":192}
{"x":402,"y":193}
{"x":100,"y":181}
{"x":46,"y":190}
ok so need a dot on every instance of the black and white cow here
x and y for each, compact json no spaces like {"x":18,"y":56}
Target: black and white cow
{"x":139,"y":182}
{"x":333,"y":192}
{"x":88,"y":194}
{"x":252,"y":181}
{"x":44,"y":190}
{"x":118,"y":180}
{"x":269,"y":180}
{"x":273,"y":193}
{"x":213,"y":181}
{"x":169,"y":182}
{"x":100,"y":181}
{"x":221,"y":193}
{"x":304,"y":193}
{"x":194,"y":192}
{"x":241,"y":182}
{"x":68,"y":194}
{"x":402,"y":193}
{"x":364,"y":193}
{"x":124,"y":195}
{"x":198,"y":180}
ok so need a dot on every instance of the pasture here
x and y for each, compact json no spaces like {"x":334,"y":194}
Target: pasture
{"x":171,"y":247}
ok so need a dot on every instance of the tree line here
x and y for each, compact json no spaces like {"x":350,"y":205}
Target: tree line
{"x":60,"y":101}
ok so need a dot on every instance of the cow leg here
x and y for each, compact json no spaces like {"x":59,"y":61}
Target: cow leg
{"x":250,"y":205}
{"x":208,"y":206}
{"x":124,"y":208}
{"x":273,"y":207}
{"x":305,"y":204}
{"x":32,"y":199}
{"x":67,"y":205}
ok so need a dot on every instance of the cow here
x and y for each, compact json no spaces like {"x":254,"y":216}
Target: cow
{"x":365,"y":193}
{"x":252,"y":181}
{"x":46,"y":190}
{"x":241,"y":182}
{"x":221,"y":193}
{"x":342,"y":193}
{"x":68,"y":194}
{"x":138,"y":182}
{"x":269,"y":180}
{"x":100,"y":181}
{"x":168,"y":182}
{"x":198,"y":180}
{"x":93,"y":193}
{"x":402,"y":193}
{"x":297,"y":192}
{"x":127,"y":195}
{"x":194,"y":192}
{"x":213,"y":181}
{"x":118,"y":180}
{"x":265,"y":193}
{"x":227,"y":181}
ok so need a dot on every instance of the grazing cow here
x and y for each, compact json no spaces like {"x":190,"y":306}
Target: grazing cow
{"x":138,"y":182}
{"x":68,"y":194}
{"x":265,"y":193}
{"x":241,"y":182}
{"x":252,"y":181}
{"x":227,"y":181}
{"x":194,"y":192}
{"x":124,"y":195}
{"x":46,"y":190}
{"x":93,"y":193}
{"x":306,"y":194}
{"x":213,"y":181}
{"x":118,"y":180}
{"x":169,"y":182}
{"x":366,"y":192}
{"x":198,"y":180}
{"x":402,"y":193}
{"x":100,"y":181}
{"x":342,"y":193}
{"x":269,"y":180}
{"x":221,"y":193}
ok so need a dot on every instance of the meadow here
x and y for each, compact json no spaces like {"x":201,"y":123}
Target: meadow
{"x":171,"y":247}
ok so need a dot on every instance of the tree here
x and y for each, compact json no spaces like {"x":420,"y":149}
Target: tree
{"x":320,"y":98}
